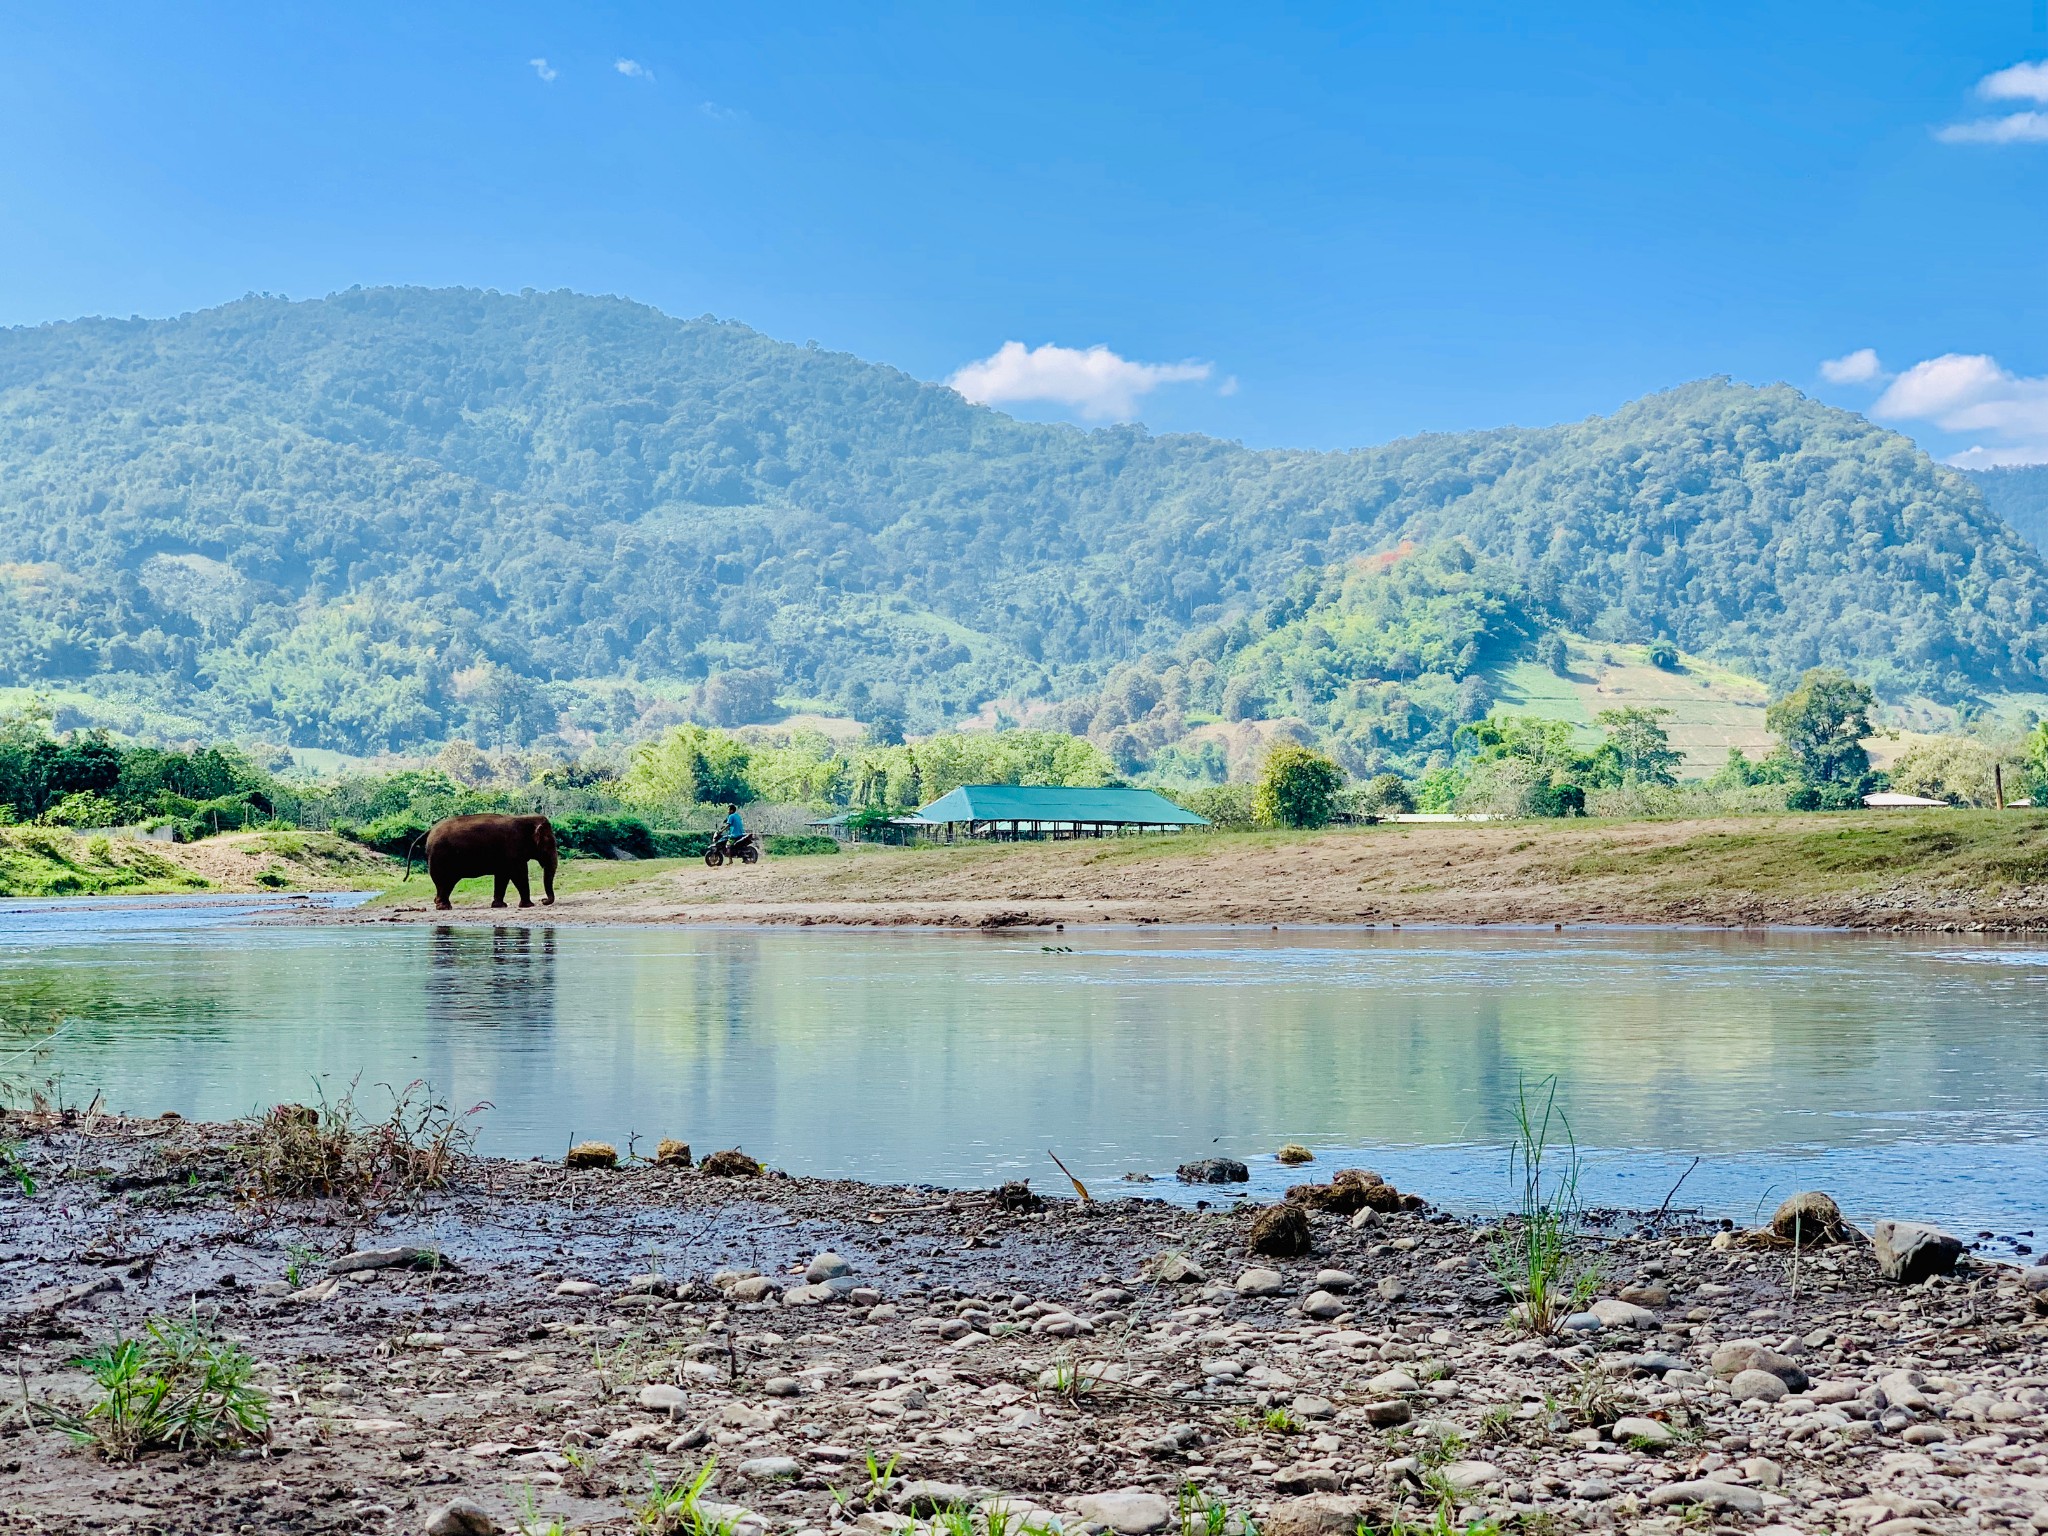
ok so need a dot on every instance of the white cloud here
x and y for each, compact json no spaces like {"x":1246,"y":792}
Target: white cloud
{"x":1858,"y":367}
{"x":1971,"y":393}
{"x":2014,"y":128}
{"x":633,"y":69}
{"x":2022,"y":82}
{"x":1096,"y":383}
{"x":543,"y":68}
{"x":718,"y":114}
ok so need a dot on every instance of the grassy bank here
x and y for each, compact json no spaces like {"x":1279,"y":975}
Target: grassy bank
{"x":1859,"y":869}
{"x":53,"y":861}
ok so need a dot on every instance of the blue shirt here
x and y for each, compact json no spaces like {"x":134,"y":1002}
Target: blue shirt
{"x":734,"y":829}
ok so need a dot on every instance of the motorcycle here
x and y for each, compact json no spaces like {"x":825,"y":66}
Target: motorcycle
{"x":746,"y":849}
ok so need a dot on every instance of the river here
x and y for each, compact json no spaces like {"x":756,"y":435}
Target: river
{"x":1907,"y":1076}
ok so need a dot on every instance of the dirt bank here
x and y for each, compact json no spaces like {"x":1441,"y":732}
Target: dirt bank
{"x":1944,"y":869}
{"x":583,"y":1334}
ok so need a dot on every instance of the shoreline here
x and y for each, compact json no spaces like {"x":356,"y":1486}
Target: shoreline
{"x":589,"y":1329}
{"x":1944,"y":872}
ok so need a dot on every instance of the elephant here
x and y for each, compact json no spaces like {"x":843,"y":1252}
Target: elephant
{"x":467,"y":847}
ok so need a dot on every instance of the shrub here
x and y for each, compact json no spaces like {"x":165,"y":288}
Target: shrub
{"x":602,"y":836}
{"x":1297,"y":787}
{"x":334,"y":1149}
{"x":1222,"y":805}
{"x":390,"y":834}
{"x":1664,"y":654}
{"x":1387,"y":795}
{"x":799,"y":846}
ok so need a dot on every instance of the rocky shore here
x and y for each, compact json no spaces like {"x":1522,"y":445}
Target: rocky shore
{"x":536,"y":1344}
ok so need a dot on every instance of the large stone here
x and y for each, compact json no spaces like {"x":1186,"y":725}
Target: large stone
{"x":1747,"y":1501}
{"x":1910,"y":1251}
{"x":1635,"y":1429}
{"x":826,"y":1266}
{"x":771,"y":1469}
{"x":663,"y":1398}
{"x":1387,"y":1414}
{"x":461,"y":1517}
{"x":1624,"y":1314}
{"x":1213,"y":1170}
{"x":1280,"y":1232}
{"x":1127,"y":1511}
{"x":1323,"y":1514}
{"x":1755,"y":1386}
{"x":1175,"y":1268}
{"x":1731,"y":1360}
{"x":672,"y":1153}
{"x":1322,"y":1305}
{"x":1261,"y":1282}
{"x":2035,"y":1279}
{"x":1811,"y":1220}
{"x":1294,"y":1153}
{"x":592,"y":1154}
{"x":1471,"y":1476}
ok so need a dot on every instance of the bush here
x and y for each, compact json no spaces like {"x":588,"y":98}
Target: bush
{"x":603,"y":836}
{"x":800,"y":846}
{"x":681,"y":845}
{"x":1387,"y":795}
{"x":1221,"y":805}
{"x":1665,"y":655}
{"x":393,"y":835}
{"x":1297,"y":788}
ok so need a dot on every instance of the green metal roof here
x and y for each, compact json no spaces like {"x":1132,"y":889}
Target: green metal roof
{"x":1045,"y":802}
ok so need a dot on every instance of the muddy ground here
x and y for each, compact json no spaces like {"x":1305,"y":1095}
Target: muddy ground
{"x":586,"y":1333}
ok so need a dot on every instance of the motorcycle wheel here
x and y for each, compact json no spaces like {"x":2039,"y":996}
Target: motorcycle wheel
{"x":750,"y":854}
{"x":713,"y":858}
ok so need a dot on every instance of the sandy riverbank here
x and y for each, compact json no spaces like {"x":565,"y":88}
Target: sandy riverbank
{"x":1953,"y":870}
{"x":592,"y":1330}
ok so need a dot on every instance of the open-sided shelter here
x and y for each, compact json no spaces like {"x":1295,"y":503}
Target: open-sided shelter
{"x":1046,"y":810}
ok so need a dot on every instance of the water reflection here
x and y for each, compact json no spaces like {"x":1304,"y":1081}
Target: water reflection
{"x":1901,"y":1071}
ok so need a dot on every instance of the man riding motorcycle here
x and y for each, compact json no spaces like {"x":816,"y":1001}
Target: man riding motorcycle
{"x":732,"y":841}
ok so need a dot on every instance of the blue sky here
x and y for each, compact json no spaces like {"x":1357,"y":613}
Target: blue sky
{"x":1323,"y":227}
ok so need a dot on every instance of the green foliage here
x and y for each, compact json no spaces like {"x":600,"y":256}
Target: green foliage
{"x":394,"y":516}
{"x":1297,"y":788}
{"x":175,"y":1388}
{"x":1536,"y":1247}
{"x":801,"y":846}
{"x":1964,"y":770}
{"x":1387,"y":795}
{"x":1639,"y":746}
{"x":1820,"y":726}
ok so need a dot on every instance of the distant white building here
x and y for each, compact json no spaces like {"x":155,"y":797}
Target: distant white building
{"x":1892,"y":800}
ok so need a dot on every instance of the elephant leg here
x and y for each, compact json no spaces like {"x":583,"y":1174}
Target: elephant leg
{"x":443,"y":889}
{"x":498,"y":883}
{"x":519,"y":883}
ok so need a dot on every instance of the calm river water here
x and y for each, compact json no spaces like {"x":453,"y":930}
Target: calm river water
{"x":1906,"y":1076}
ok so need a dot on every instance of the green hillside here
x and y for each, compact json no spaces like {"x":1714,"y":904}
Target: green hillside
{"x":390,"y":516}
{"x":2019,"y":495}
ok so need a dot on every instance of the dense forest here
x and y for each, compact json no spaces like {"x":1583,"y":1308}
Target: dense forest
{"x":2019,"y":495}
{"x":394,"y":516}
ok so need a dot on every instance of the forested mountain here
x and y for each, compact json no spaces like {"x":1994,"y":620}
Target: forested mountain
{"x":395,"y":515}
{"x":2018,"y":495}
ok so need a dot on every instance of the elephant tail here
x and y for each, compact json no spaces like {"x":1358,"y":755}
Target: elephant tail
{"x":409,"y":847}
